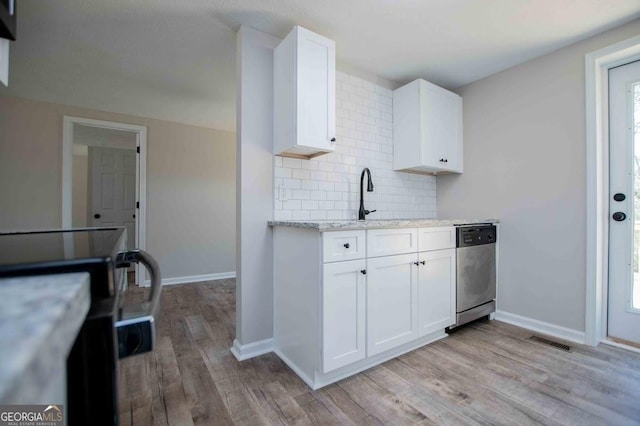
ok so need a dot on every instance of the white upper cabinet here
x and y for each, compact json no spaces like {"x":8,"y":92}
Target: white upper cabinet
{"x":304,"y":95}
{"x":427,"y":129}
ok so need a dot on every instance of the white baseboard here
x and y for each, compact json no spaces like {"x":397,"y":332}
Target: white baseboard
{"x":251,"y":350}
{"x":194,"y":279}
{"x":542,"y":327}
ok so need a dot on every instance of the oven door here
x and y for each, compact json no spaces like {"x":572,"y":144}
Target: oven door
{"x":110,"y":332}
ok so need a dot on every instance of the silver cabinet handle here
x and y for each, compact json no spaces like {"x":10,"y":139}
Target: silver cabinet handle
{"x":136,"y":323}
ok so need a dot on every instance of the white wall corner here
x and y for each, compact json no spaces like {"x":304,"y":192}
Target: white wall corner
{"x":251,"y":350}
{"x":549,"y":329}
{"x":254,"y":195}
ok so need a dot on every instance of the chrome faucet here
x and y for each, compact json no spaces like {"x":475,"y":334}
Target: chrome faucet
{"x":363,"y":212}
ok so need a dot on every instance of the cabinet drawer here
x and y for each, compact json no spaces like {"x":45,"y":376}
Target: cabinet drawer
{"x":343,"y":245}
{"x":386,"y":242}
{"x":436,"y":238}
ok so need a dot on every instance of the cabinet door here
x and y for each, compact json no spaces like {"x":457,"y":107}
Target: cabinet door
{"x":316,"y":79}
{"x":391,"y":302}
{"x":436,"y":290}
{"x":343,"y":314}
{"x":427,"y":128}
{"x":441,"y":124}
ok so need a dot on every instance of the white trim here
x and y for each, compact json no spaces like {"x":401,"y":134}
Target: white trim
{"x":141,"y":176}
{"x":251,"y":350}
{"x":620,"y":345}
{"x":190,"y":279}
{"x":541,"y":327}
{"x":597,"y":65}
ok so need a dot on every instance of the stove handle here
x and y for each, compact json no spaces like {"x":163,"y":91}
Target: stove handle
{"x":136,"y":323}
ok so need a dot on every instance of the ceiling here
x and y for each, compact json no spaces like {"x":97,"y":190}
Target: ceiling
{"x":175,"y":60}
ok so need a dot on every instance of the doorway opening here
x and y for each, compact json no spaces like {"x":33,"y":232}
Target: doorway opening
{"x":598,"y":196}
{"x":623,"y":315}
{"x":104,"y":179}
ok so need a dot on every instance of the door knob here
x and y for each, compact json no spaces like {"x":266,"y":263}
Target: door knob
{"x":97,"y":216}
{"x":346,"y":245}
{"x":619,"y":216}
{"x":619,"y":197}
{"x":363,"y":271}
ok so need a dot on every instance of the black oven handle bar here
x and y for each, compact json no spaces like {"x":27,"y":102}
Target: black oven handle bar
{"x":136,"y":323}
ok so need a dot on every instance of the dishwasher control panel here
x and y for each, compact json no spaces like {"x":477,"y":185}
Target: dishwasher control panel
{"x":475,"y":235}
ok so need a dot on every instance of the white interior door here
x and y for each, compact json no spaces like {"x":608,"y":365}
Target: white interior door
{"x":113,"y":189}
{"x":623,"y":322}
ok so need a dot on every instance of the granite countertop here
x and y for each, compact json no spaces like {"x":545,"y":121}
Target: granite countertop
{"x":40,"y":317}
{"x":337,"y":225}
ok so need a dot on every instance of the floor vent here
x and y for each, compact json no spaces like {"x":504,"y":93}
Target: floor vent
{"x":551,"y":343}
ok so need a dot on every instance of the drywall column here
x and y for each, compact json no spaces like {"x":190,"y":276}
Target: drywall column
{"x":254,"y":199}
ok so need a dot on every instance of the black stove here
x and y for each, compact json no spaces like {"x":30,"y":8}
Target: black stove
{"x":111,"y":330}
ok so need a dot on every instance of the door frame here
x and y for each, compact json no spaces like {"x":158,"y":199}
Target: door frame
{"x":68,"y":123}
{"x":597,"y":65}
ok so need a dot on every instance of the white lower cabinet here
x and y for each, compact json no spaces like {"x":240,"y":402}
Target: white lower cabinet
{"x":340,"y":309}
{"x":392,"y":302}
{"x":343,"y":313}
{"x":436,"y":290}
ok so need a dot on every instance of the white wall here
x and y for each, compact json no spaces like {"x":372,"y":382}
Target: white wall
{"x":190,"y":183}
{"x":524,"y":156}
{"x":328,"y":186}
{"x":254,"y":258}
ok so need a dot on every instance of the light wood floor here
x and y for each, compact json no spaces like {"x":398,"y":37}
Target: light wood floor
{"x":489,"y":373}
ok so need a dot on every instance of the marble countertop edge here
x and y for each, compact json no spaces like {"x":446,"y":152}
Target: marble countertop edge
{"x":40,"y":317}
{"x":335,"y":225}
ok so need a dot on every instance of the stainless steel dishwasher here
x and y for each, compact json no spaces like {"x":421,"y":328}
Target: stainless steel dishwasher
{"x":475,"y":272}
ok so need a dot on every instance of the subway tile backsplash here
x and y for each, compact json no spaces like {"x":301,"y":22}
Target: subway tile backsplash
{"x":328,"y":187}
